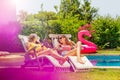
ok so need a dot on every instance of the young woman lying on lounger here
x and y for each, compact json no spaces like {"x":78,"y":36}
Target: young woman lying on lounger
{"x":68,"y":48}
{"x":42,"y":50}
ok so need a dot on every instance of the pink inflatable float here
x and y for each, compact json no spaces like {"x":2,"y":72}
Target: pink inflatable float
{"x":88,"y":47}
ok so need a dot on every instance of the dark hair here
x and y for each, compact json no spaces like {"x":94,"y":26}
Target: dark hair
{"x":66,"y":40}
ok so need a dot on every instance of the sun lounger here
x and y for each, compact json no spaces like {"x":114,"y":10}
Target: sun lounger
{"x":29,"y":58}
{"x":55,"y":64}
{"x":46,"y":61}
{"x":78,"y":67}
{"x":54,"y":38}
{"x":75,"y":65}
{"x":42,"y":61}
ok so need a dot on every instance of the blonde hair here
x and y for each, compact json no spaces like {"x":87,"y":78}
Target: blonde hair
{"x":32,"y":36}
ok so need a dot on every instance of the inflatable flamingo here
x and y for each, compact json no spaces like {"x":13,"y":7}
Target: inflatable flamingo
{"x":88,"y":47}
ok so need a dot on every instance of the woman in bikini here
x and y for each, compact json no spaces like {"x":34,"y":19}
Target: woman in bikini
{"x":69,"y":48}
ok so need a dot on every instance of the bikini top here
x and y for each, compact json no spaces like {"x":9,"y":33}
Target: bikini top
{"x":38,"y":48}
{"x":66,"y":47}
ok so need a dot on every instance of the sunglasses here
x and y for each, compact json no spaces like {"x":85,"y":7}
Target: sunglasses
{"x":60,"y":38}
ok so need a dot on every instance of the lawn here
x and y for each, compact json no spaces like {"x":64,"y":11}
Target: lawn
{"x":108,"y":51}
{"x":104,"y":74}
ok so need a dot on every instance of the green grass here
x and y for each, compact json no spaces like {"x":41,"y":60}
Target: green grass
{"x":109,"y":51}
{"x":104,"y":74}
{"x":94,"y":74}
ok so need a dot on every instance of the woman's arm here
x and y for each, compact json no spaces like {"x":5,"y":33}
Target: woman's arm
{"x":30,"y":48}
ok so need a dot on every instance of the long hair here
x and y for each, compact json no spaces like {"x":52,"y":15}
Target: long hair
{"x":66,"y":40}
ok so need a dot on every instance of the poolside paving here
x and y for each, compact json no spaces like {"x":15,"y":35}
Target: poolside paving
{"x":11,"y":60}
{"x":10,"y":69}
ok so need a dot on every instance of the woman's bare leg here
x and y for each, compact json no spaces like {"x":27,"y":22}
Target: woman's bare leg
{"x":71,"y":52}
{"x":78,"y":52}
{"x":53,"y":54}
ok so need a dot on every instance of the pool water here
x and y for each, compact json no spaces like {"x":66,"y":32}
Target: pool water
{"x":104,"y":60}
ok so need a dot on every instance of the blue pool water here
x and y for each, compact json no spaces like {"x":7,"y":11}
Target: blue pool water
{"x":104,"y":60}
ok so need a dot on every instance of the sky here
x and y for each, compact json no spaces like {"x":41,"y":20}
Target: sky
{"x":105,"y":7}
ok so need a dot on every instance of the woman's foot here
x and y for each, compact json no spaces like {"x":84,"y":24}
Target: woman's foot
{"x":81,"y":61}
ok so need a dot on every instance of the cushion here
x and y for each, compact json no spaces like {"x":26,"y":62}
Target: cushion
{"x":78,"y":66}
{"x":55,"y":62}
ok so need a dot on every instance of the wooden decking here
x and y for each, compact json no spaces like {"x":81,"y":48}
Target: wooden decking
{"x":11,"y":60}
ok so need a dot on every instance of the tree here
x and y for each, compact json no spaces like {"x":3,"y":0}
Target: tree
{"x":39,"y":23}
{"x":21,"y":16}
{"x":75,"y":8}
{"x":68,"y":8}
{"x":87,"y":12}
{"x":56,"y":8}
{"x":73,"y":14}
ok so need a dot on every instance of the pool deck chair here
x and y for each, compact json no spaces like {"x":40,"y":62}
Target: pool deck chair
{"x":42,"y":61}
{"x":29,"y":58}
{"x":78,"y":67}
{"x":55,"y":64}
{"x":75,"y":65}
{"x":54,"y":38}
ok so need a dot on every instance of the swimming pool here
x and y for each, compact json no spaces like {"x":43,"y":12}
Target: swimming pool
{"x":105,"y":60}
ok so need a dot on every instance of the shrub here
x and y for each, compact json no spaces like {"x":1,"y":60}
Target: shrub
{"x":107,"y":32}
{"x":55,"y":27}
{"x":70,"y":26}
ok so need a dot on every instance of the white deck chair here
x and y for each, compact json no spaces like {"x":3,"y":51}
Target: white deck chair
{"x":54,"y":38}
{"x":40,"y":59}
{"x":29,"y":58}
{"x":76,"y":66}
